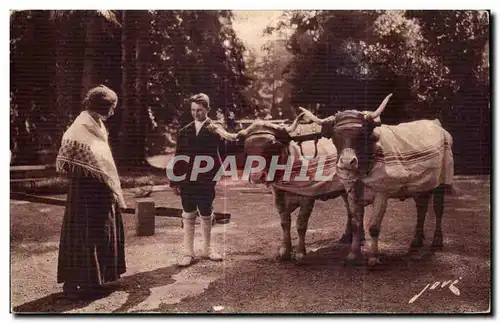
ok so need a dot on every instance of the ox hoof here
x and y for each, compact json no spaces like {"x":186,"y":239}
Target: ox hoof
{"x":437,"y":241}
{"x":284,"y":254}
{"x":299,"y":257}
{"x":437,"y":245}
{"x":372,"y":261}
{"x":352,"y":260}
{"x":352,"y":256}
{"x":416,"y":244}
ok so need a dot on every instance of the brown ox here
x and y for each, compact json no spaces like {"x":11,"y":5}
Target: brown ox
{"x":266,"y":140}
{"x":377,"y":162}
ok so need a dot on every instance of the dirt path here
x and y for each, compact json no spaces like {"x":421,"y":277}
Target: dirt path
{"x":251,"y":280}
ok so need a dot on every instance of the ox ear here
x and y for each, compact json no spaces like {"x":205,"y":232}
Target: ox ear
{"x":375,"y":136}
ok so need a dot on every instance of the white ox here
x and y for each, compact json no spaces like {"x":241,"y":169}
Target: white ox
{"x":271,"y":141}
{"x":378,"y":162}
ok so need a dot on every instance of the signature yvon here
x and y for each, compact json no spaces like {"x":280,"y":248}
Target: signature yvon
{"x":451,"y":286}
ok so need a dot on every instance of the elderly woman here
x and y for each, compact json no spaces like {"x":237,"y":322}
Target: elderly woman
{"x":91,"y":250}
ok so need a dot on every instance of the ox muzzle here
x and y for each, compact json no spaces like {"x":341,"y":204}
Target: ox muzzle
{"x":348,"y":160}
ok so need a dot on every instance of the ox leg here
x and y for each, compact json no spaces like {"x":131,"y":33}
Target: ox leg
{"x":379,"y":207}
{"x":285,"y":208}
{"x":437,"y":241}
{"x":347,"y":237}
{"x":357,"y":211}
{"x":285,"y":251}
{"x":422,"y":203}
{"x":302,"y":222}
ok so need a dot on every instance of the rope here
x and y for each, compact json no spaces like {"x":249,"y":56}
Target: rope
{"x":300,"y":139}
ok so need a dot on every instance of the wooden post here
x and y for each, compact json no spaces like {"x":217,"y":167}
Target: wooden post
{"x":145,"y":217}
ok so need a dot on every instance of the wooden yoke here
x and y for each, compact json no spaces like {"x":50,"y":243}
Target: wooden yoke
{"x":312,"y":136}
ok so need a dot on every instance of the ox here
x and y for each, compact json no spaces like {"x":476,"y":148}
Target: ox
{"x":269,"y":140}
{"x":378,"y":162}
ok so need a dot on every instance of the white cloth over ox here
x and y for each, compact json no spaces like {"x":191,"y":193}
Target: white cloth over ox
{"x":326,"y":159}
{"x":411,"y":157}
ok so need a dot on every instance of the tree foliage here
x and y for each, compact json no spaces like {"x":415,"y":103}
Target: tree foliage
{"x":435,"y":63}
{"x":268,"y":92}
{"x":154,"y":60}
{"x":196,"y":51}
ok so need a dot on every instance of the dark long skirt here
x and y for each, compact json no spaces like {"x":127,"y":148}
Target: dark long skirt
{"x":92,"y":250}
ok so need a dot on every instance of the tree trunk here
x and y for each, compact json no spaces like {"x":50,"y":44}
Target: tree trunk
{"x":32,"y":76}
{"x":69,"y":57}
{"x":92,"y":34}
{"x":129,"y":118}
{"x":143,"y":52}
{"x":135,"y":60}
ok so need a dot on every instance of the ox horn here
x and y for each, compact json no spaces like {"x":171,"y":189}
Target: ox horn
{"x":309,"y":115}
{"x":217,"y":128}
{"x":295,"y":123}
{"x":374,"y":115}
{"x":289,"y":129}
{"x":244,"y":132}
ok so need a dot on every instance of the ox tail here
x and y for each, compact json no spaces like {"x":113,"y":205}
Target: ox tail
{"x":450,"y":189}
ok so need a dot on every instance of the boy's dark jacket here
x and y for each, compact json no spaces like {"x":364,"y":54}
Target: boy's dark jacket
{"x":206,"y":143}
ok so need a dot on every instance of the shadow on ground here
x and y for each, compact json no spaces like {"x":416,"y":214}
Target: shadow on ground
{"x":138,"y":287}
{"x":273,"y":286}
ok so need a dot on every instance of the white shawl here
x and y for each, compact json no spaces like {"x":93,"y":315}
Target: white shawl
{"x":85,"y":146}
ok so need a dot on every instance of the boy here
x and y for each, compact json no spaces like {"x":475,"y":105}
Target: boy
{"x":197,"y":195}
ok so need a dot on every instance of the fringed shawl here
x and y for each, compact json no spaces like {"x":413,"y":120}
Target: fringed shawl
{"x":85,"y":147}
